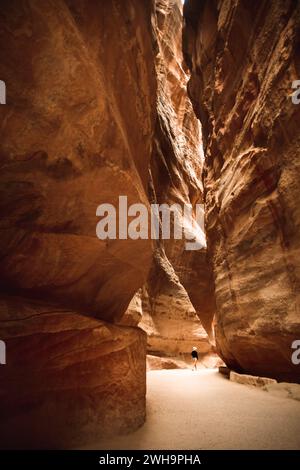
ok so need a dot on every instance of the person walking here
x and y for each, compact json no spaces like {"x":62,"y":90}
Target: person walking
{"x":194,"y":355}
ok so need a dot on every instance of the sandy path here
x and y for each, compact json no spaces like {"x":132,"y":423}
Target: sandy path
{"x":203,"y":410}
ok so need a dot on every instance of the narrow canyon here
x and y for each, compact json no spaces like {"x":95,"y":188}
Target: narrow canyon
{"x":167,"y":104}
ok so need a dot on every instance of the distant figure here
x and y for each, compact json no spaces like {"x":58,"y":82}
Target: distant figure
{"x":194,"y":355}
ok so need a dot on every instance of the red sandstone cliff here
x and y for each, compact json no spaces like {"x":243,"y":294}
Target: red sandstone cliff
{"x":77,"y":131}
{"x":180,"y":298}
{"x":243,"y":57}
{"x":96,"y":108}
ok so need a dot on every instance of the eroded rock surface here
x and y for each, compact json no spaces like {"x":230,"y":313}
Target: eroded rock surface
{"x":76,"y":132}
{"x":69,"y":378}
{"x":96,"y":108}
{"x":169,"y":318}
{"x":243,"y":57}
{"x":178,"y":300}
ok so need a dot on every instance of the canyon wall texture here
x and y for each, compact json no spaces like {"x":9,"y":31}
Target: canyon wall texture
{"x":76,"y":132}
{"x":179,"y":300}
{"x":96,"y":109}
{"x":243,"y":57}
{"x":69,"y":378}
{"x":176,"y":305}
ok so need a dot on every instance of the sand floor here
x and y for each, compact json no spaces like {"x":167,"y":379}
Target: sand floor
{"x":204,"y":410}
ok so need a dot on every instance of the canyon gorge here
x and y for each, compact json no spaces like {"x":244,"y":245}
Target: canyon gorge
{"x":167,"y":104}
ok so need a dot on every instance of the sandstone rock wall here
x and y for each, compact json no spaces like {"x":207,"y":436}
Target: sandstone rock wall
{"x":69,"y":378}
{"x":77,"y":131}
{"x":177,"y":300}
{"x":180,"y":300}
{"x":96,"y":108}
{"x":243,"y":57}
{"x":168,"y":316}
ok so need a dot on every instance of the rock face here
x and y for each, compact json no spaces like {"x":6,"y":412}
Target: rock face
{"x":169,"y":318}
{"x":134,"y":312}
{"x":77,"y":131}
{"x":178,"y":291}
{"x":74,"y":76}
{"x":243,"y":57}
{"x":176,"y":303}
{"x":76,"y":378}
{"x":96,"y":109}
